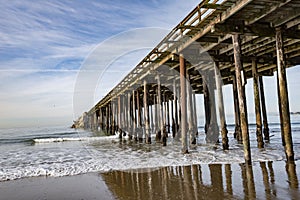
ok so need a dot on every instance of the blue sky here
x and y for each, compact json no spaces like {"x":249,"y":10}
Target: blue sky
{"x":44,"y":43}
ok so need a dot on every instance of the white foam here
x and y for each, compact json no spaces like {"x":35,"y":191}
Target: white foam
{"x":62,"y":159}
{"x":72,"y":139}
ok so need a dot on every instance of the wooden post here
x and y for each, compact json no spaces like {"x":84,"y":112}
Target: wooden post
{"x":260,"y":141}
{"x":139,"y":120}
{"x":158,"y":110}
{"x":134,"y":116}
{"x":155,"y":117}
{"x":263,"y":109}
{"x":206,"y":104}
{"x":175,"y":108}
{"x":172,"y":117}
{"x":280,"y":115}
{"x":162,"y":131}
{"x":211,"y":125}
{"x":183,"y":103}
{"x":195,"y":113}
{"x":190,"y":110}
{"x":110,"y":118}
{"x":125,"y":127}
{"x":241,"y":97}
{"x":119,"y":117}
{"x":146,"y":114}
{"x":168,"y":114}
{"x":95,"y":121}
{"x":164,"y":108}
{"x":107,"y":119}
{"x":283,"y":97}
{"x":237,"y":132}
{"x":221,"y":106}
{"x":151,"y":118}
{"x":129,"y":128}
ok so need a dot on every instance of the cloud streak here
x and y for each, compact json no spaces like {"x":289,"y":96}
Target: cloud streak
{"x":44,"y":43}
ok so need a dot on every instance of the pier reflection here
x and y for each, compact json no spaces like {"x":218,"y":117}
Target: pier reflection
{"x":213,"y":181}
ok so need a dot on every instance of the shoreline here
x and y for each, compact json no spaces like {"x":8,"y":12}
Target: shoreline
{"x":271,"y":179}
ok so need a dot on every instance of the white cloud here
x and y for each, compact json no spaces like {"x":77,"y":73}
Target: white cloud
{"x":41,"y":40}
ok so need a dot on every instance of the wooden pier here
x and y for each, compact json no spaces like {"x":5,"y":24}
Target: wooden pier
{"x":218,"y":43}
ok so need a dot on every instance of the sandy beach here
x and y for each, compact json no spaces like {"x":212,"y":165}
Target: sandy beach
{"x":262,"y":180}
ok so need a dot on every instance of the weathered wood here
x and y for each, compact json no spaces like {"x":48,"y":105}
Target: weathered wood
{"x":95,"y":121}
{"x":283,"y":96}
{"x":195,"y":114}
{"x":241,"y":97}
{"x":211,"y":125}
{"x":134,"y":122}
{"x":191,"y":128}
{"x":155,"y":115}
{"x":162,"y":132}
{"x":129,"y":127}
{"x":237,"y":131}
{"x":175,"y":128}
{"x":264,"y":109}
{"x":221,"y":107}
{"x":146,"y":114}
{"x":172,"y":117}
{"x":280,"y":116}
{"x":110,"y":118}
{"x":259,"y":136}
{"x":183,"y":104}
{"x":119,"y":117}
{"x":151,"y":108}
{"x":107,"y":118}
{"x":206,"y":105}
{"x":168,"y":124}
{"x":139,"y":120}
{"x":125,"y":108}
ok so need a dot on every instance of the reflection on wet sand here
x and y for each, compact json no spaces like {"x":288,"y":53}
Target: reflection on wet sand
{"x":213,"y":181}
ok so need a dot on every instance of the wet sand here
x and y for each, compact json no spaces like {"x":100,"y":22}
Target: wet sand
{"x":85,"y":186}
{"x":262,"y":180}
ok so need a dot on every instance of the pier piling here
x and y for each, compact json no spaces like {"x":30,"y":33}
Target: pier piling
{"x":283,"y":96}
{"x":264,"y":109}
{"x":260,"y":142}
{"x":221,"y":106}
{"x":184,"y":138}
{"x":241,"y":96}
{"x":146,"y":114}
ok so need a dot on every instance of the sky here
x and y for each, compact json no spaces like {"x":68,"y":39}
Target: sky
{"x":45,"y":44}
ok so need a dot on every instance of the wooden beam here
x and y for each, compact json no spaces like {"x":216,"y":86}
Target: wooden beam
{"x":258,"y":29}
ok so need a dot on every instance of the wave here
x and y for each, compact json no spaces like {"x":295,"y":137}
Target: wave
{"x":73,"y":139}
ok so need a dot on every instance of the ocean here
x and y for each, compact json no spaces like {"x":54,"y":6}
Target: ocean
{"x":62,"y":151}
